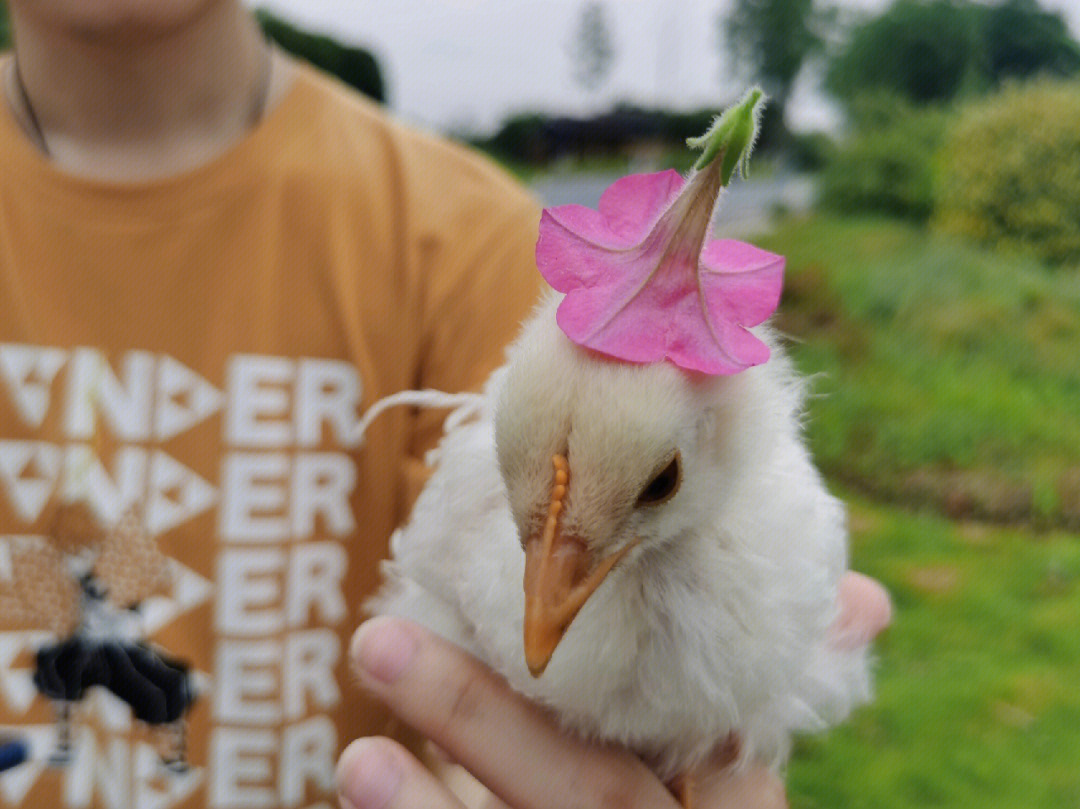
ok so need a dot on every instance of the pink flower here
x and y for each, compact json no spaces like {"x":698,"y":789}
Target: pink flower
{"x":644,"y":281}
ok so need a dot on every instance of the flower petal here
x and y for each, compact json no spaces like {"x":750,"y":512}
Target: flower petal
{"x":741,"y":281}
{"x":584,"y":223}
{"x":576,"y":250}
{"x":729,"y":349}
{"x":644,"y":284}
{"x":631,"y":205}
{"x":584,"y":317}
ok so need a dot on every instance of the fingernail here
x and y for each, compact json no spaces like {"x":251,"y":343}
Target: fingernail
{"x":383,"y":648}
{"x":368,"y":776}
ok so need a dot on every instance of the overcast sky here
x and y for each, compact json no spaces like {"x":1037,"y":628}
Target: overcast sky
{"x":466,"y":64}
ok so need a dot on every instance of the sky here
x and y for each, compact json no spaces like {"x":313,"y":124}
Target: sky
{"x":464,"y":65}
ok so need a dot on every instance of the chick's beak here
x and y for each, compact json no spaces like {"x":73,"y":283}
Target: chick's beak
{"x":560,"y":575}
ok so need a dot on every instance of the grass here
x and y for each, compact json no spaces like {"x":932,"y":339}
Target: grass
{"x":947,"y":375}
{"x":977,"y":701}
{"x":947,"y":403}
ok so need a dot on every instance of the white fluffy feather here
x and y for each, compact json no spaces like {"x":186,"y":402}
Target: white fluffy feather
{"x":715,"y":623}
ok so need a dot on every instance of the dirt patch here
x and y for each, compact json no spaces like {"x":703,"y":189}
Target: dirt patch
{"x":811,"y":308}
{"x":975,"y":533}
{"x":969,"y":494}
{"x":863,"y":521}
{"x":938,"y":579}
{"x":1068,"y":492}
{"x":1013,"y":716}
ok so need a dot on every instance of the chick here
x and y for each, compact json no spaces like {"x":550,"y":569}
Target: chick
{"x":679,"y":551}
{"x":638,"y":466}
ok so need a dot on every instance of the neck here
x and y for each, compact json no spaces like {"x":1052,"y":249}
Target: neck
{"x":119,"y":106}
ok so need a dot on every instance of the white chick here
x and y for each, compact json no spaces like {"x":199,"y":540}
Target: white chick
{"x":680,"y":555}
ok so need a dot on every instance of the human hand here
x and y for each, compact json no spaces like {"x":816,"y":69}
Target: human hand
{"x":508,"y":743}
{"x":864,"y":611}
{"x":512,"y":746}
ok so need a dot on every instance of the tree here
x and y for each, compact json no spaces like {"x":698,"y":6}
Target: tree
{"x":354,"y":66}
{"x":769,"y":40}
{"x":923,"y":51}
{"x":1020,"y":39}
{"x":5,"y":27}
{"x":592,"y":50}
{"x":933,"y":51}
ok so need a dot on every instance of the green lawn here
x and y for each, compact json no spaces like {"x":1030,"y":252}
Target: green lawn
{"x":947,"y":409}
{"x":948,"y":376}
{"x":978,"y":680}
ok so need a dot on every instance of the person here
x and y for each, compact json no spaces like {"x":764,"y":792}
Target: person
{"x":212,"y":259}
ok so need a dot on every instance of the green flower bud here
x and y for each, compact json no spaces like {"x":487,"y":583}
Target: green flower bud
{"x":732,"y":136}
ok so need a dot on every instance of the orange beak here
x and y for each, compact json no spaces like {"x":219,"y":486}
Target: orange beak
{"x":559,"y":578}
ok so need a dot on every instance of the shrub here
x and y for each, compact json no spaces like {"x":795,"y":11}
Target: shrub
{"x":885,"y":165}
{"x":810,"y":151}
{"x":1010,"y":170}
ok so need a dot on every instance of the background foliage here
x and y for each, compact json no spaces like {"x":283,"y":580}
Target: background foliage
{"x":946,"y":372}
{"x":1010,"y":170}
{"x":768,"y":41}
{"x":886,"y":164}
{"x":592,"y":48}
{"x":912,"y":78}
{"x":933,"y":51}
{"x":354,"y":66}
{"x":916,"y":50}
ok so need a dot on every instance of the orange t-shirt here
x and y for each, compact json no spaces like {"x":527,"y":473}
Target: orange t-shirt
{"x":188,"y":525}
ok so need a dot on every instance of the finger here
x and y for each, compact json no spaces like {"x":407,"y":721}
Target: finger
{"x":466,"y":788}
{"x":491,"y":802}
{"x":755,"y":787}
{"x":865,"y":610}
{"x":508,"y":743}
{"x":380,"y":774}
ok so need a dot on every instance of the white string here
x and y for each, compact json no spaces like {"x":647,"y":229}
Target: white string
{"x":464,"y":405}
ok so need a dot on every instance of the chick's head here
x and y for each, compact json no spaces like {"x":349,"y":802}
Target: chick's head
{"x":604,"y":462}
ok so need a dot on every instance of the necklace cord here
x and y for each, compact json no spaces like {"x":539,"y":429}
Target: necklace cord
{"x":259,"y":100}
{"x":36,"y":132}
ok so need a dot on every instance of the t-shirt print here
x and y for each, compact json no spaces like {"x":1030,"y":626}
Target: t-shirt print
{"x":96,"y":685}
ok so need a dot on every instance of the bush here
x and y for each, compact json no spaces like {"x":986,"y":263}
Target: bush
{"x":521,"y":138}
{"x":1010,"y":170}
{"x":885,"y":165}
{"x":810,"y":151}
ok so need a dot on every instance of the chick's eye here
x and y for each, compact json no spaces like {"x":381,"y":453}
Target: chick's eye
{"x":663,"y":485}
